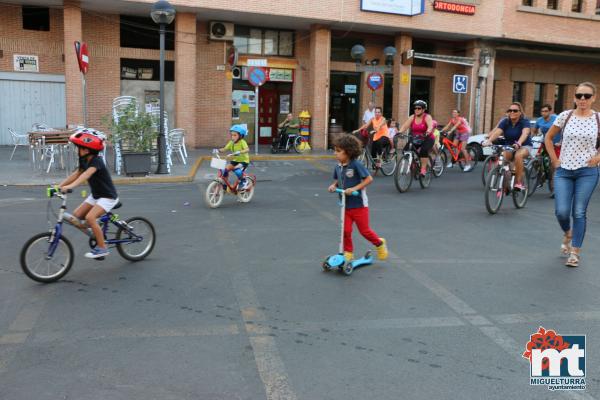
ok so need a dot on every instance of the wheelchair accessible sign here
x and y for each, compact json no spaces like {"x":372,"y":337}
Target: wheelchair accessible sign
{"x":460,"y":84}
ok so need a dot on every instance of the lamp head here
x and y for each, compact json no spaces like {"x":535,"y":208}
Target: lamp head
{"x":162,"y":12}
{"x":357,"y":52}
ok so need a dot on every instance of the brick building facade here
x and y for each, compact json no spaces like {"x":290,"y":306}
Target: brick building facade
{"x":536,"y":55}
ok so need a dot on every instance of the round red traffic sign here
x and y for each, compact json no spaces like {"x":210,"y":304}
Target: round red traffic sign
{"x":257,"y":76}
{"x":83,"y":58}
{"x":375,"y":81}
{"x":232,"y":56}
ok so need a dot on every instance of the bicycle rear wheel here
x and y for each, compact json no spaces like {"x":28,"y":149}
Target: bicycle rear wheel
{"x":388,"y":163}
{"x":36,"y":264}
{"x":489,"y":164}
{"x":247,"y":194}
{"x":472,"y":159}
{"x":425,"y":180}
{"x":533,"y":176}
{"x":403,"y":174}
{"x":494,"y":191}
{"x":520,"y":196}
{"x":142,"y":238}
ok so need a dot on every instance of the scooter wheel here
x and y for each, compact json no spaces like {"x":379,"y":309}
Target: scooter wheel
{"x":325,"y":266}
{"x":347,"y":269}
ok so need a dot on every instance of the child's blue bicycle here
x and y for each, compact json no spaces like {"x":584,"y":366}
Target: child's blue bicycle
{"x":48,"y":256}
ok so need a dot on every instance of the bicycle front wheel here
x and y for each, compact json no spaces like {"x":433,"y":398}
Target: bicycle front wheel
{"x":403,"y":174}
{"x":213,"y":197}
{"x":388,"y":163}
{"x":139,"y":239}
{"x":520,"y":196}
{"x":489,"y":164}
{"x":494,"y":192}
{"x":38,"y":265}
{"x":438,"y":164}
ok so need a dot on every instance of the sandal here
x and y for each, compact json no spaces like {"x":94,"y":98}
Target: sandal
{"x":573,"y":260}
{"x":565,"y":247}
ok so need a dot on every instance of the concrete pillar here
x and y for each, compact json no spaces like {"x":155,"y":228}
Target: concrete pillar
{"x":185,"y":75}
{"x":401,"y":84}
{"x":565,"y":5}
{"x":488,"y":97}
{"x":73,"y":82}
{"x":528,"y":98}
{"x":318,"y":87}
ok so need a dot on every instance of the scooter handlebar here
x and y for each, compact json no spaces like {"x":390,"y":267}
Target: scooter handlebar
{"x":355,"y":193}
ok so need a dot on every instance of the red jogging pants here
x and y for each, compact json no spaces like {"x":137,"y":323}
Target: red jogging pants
{"x":360,"y":216}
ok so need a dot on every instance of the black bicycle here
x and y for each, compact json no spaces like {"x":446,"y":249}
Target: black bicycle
{"x":409,"y":166}
{"x":385,"y":161}
{"x":500,"y":182}
{"x":48,"y":256}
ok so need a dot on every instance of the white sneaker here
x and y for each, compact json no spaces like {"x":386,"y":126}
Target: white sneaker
{"x":468,"y":168}
{"x":450,"y":165}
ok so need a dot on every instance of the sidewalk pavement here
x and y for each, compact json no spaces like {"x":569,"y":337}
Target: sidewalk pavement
{"x":19,"y":171}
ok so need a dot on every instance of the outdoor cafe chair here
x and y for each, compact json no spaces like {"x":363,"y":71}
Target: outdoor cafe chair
{"x":18,"y":140}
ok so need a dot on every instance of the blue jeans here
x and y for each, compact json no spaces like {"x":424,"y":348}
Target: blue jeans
{"x":572,"y":192}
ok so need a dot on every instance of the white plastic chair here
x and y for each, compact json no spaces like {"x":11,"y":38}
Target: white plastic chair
{"x":18,"y":140}
{"x":175,"y":138}
{"x":119,"y":105}
{"x":39,"y":127}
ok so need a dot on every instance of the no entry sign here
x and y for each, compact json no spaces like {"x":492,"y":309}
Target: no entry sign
{"x":82,"y":56}
{"x":257,"y":76}
{"x":375,"y":81}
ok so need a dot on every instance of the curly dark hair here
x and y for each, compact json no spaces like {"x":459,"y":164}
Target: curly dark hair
{"x":350,"y":145}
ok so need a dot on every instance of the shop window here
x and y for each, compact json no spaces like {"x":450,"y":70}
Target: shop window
{"x":528,"y":3}
{"x":559,"y":98}
{"x":577,"y":6}
{"x":266,"y":42}
{"x":143,"y":33}
{"x":146,"y":70}
{"x":538,"y":98}
{"x":423,"y":47}
{"x":553,"y":4}
{"x":518,"y":91}
{"x":36,"y":18}
{"x":341,"y":46}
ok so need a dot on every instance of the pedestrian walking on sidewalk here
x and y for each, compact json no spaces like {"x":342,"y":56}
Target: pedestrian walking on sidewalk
{"x":576,"y":174}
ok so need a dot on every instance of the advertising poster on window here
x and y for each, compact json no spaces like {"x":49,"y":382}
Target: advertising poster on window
{"x":401,"y":7}
{"x":243,"y":103}
{"x":284,"y":104}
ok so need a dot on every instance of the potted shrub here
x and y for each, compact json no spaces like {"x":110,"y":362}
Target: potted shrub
{"x":135,"y":134}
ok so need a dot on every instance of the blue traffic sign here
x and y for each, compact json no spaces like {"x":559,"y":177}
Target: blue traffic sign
{"x":257,"y":76}
{"x":460,"y":84}
{"x":375,"y":81}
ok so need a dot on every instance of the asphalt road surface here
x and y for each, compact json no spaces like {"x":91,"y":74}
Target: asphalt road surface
{"x":233,"y":304}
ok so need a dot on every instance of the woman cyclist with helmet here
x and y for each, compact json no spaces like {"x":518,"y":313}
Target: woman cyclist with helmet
{"x":104,"y":195}
{"x":240,"y":153}
{"x":421,"y":127}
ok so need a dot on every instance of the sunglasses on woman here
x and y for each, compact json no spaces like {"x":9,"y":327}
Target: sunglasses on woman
{"x":580,"y":96}
{"x":418,"y":108}
{"x":513,"y":110}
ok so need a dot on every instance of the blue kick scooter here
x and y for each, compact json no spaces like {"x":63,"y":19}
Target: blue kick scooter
{"x":337,"y":260}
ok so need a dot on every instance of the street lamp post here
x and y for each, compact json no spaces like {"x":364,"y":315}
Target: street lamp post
{"x":163,"y":14}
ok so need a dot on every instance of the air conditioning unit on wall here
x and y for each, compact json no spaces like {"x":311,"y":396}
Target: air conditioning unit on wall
{"x":220,"y":30}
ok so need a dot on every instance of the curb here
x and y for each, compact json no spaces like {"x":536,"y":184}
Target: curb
{"x":193,"y":171}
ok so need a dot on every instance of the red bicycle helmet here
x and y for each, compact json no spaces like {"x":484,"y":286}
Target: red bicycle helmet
{"x":88,"y":138}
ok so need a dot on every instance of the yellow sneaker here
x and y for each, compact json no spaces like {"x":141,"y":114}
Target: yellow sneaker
{"x":382,"y":251}
{"x":348,"y":256}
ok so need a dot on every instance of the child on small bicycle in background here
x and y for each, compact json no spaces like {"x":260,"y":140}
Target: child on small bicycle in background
{"x":352,"y":176}
{"x":240,"y":154}
{"x":104,"y":195}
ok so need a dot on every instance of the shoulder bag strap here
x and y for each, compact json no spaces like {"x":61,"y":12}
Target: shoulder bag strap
{"x":567,"y":120}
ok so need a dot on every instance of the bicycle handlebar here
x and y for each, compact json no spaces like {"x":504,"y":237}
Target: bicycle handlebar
{"x":355,"y":193}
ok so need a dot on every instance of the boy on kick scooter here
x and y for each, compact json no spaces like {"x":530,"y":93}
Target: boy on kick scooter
{"x":351,"y":176}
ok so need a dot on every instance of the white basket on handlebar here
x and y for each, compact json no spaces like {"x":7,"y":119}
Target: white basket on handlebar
{"x":218,"y":163}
